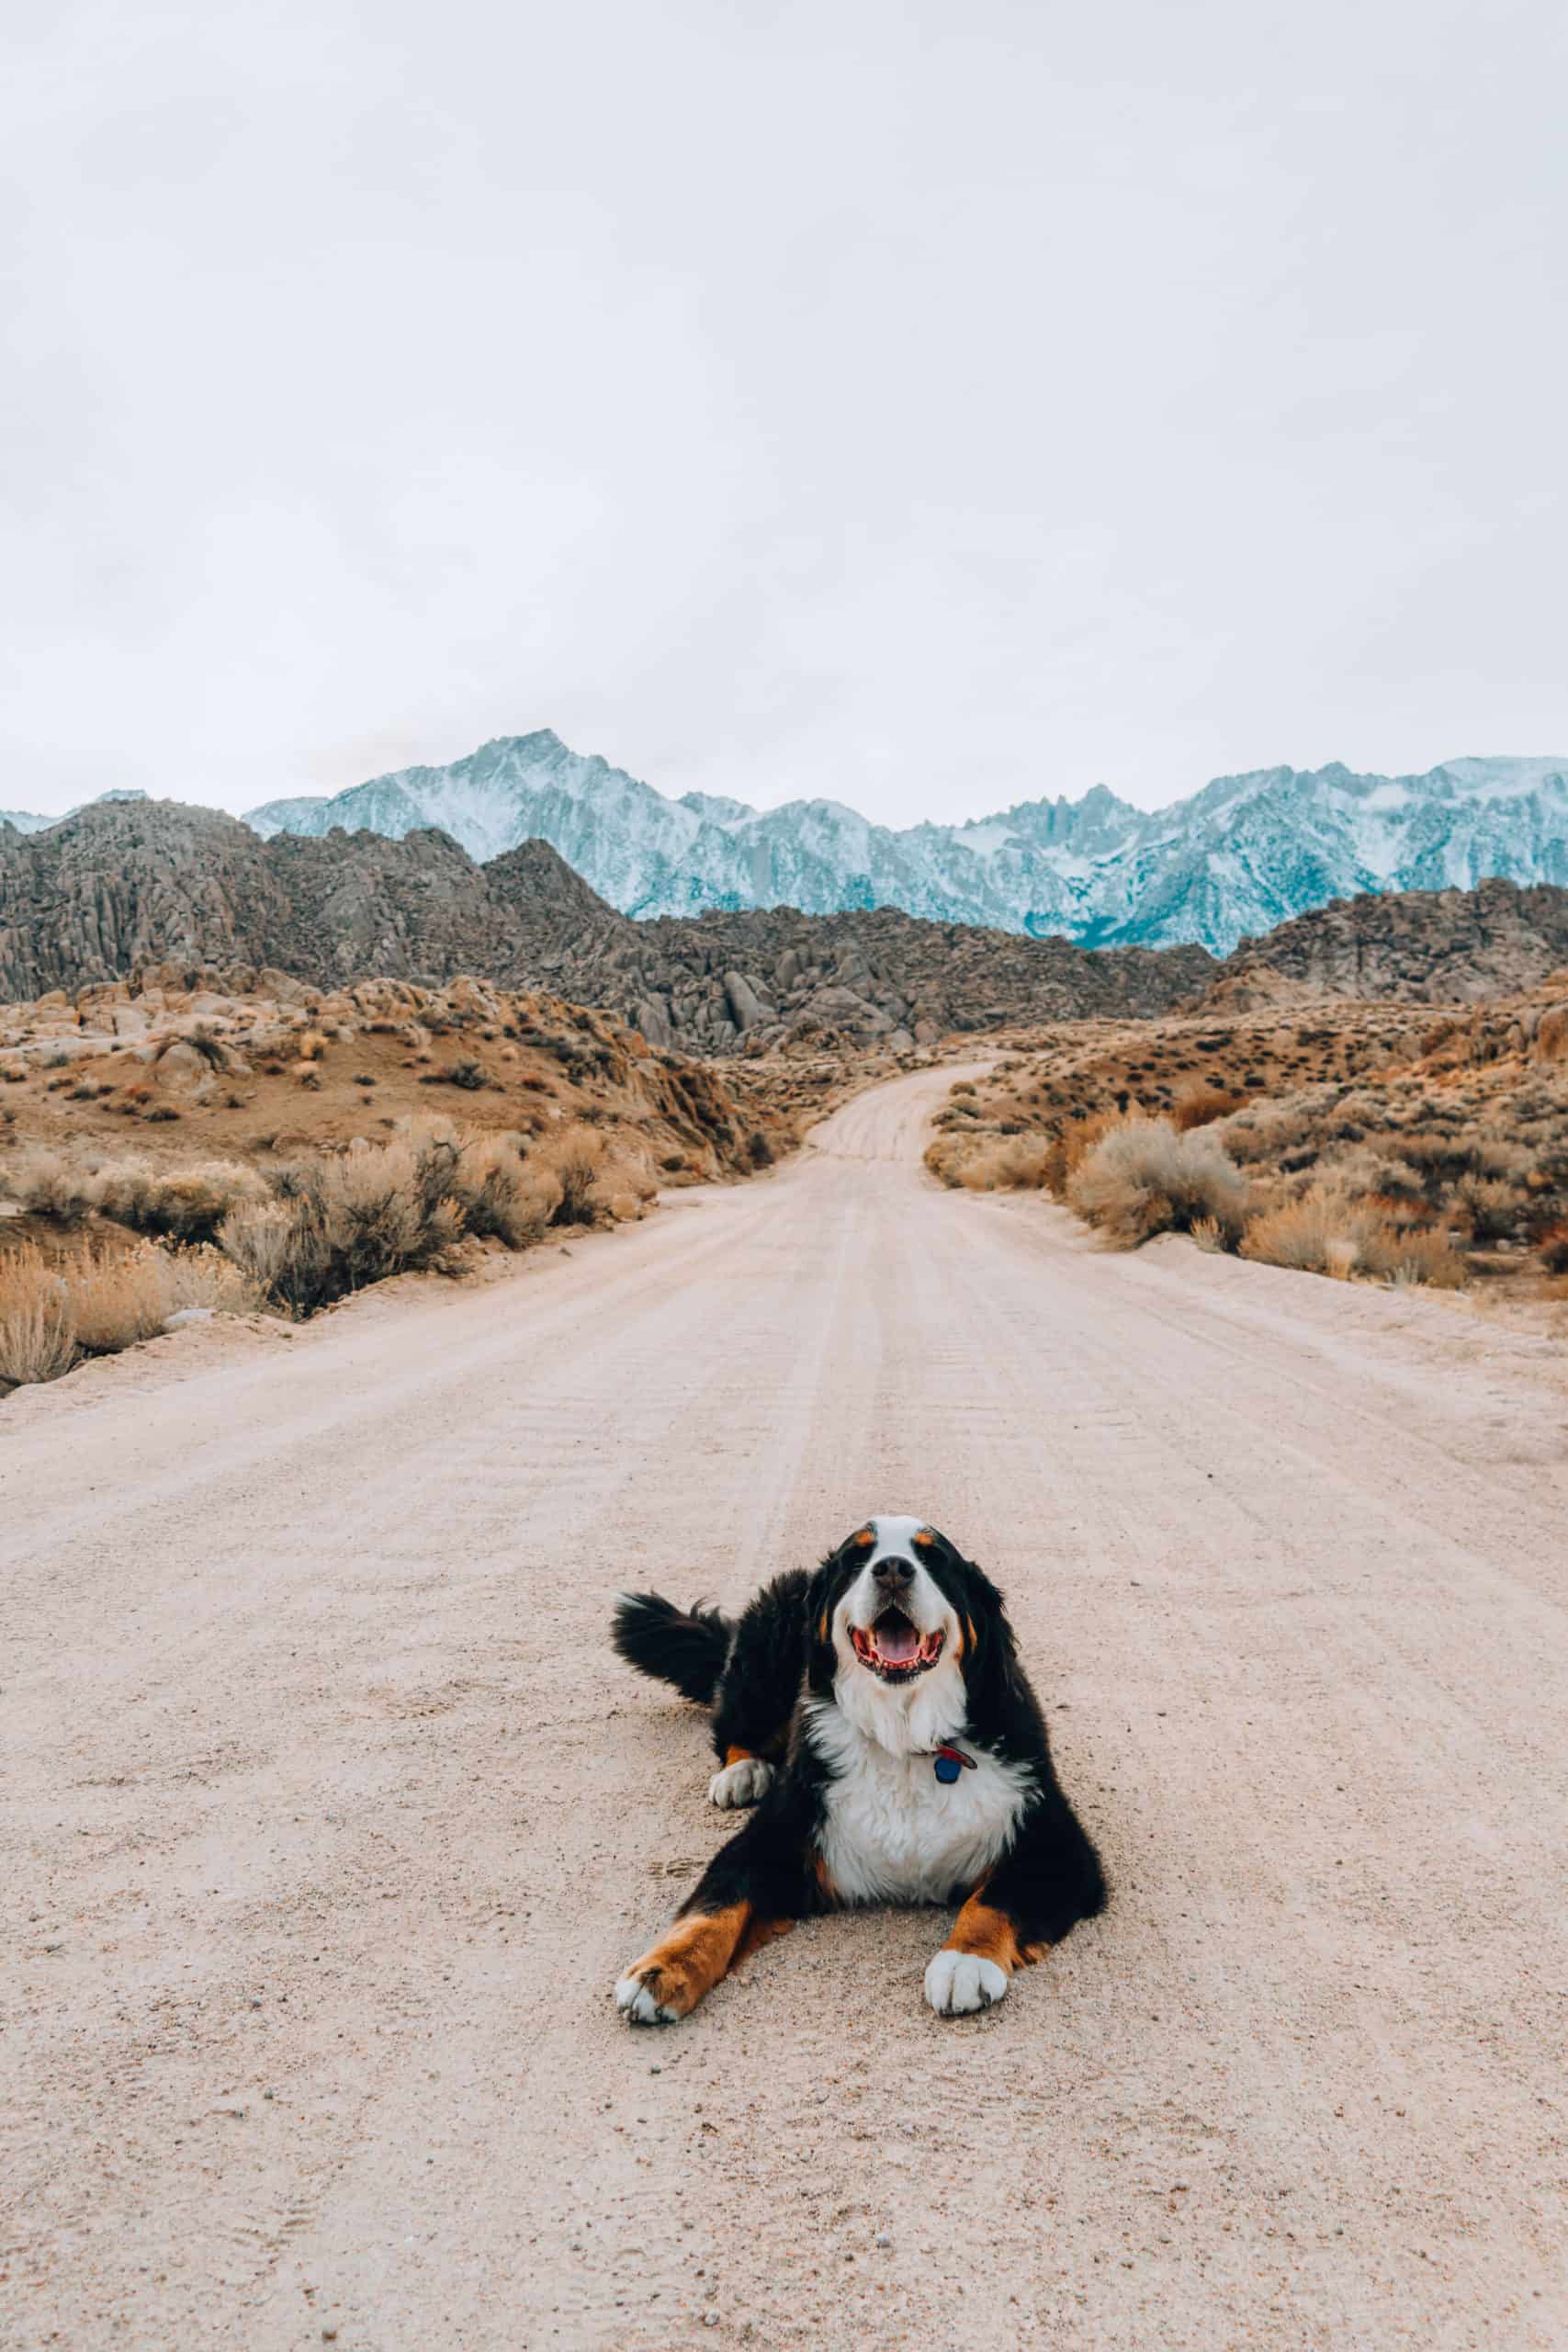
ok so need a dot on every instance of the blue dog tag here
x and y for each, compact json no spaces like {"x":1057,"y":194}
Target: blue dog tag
{"x":947,"y":1768}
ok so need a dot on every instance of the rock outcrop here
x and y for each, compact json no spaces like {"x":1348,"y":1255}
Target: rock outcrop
{"x":1418,"y":946}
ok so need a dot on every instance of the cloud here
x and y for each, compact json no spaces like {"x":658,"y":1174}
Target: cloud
{"x":838,"y":403}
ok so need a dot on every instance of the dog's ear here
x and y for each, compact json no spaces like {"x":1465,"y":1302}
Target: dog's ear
{"x":990,"y":1653}
{"x":823,"y":1595}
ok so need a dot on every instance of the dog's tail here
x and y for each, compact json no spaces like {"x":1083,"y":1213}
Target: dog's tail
{"x":686,"y":1647}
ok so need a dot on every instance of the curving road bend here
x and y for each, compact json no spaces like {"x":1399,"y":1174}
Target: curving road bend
{"x":330,"y":1819}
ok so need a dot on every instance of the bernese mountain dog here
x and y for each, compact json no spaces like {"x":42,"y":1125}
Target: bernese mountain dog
{"x":876,"y":1715}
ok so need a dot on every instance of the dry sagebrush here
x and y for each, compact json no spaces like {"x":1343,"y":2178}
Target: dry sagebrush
{"x":1144,"y":1177}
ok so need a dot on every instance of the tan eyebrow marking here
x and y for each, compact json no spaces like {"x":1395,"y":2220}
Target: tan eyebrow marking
{"x":925,"y":1537}
{"x":866,"y":1535}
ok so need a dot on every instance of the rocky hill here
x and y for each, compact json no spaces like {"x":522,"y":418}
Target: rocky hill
{"x":1418,"y":947}
{"x":124,"y":883}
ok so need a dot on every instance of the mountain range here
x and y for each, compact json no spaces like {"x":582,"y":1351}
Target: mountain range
{"x":128,"y":884}
{"x":1244,"y":853}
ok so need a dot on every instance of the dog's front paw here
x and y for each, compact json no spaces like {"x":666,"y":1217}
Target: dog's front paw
{"x":746,"y":1782}
{"x":958,"y":1982}
{"x":639,"y":2004}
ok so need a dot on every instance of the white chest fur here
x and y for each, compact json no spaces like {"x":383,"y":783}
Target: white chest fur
{"x":893,"y":1833}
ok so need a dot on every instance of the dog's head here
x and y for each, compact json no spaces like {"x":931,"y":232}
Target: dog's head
{"x":897,"y":1610}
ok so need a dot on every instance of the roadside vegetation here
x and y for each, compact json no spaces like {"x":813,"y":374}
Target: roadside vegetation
{"x":243,"y":1143}
{"x":1376,"y":1143}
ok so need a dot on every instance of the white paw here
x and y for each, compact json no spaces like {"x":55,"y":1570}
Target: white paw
{"x":957,"y":1981}
{"x":637,"y":2005}
{"x":745,"y":1783}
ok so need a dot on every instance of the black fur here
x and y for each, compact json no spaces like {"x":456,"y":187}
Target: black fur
{"x":778,"y":1656}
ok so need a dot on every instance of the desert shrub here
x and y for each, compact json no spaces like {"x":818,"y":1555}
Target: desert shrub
{"x":1210,"y":1234}
{"x":46,"y":1183}
{"x":758,"y":1150}
{"x":499,"y":1195}
{"x":1300,"y":1233}
{"x":1201,"y":1106}
{"x":116,"y":1297}
{"x":188,"y":1204}
{"x":380,"y":1209}
{"x":37,"y":1340}
{"x":1554,"y":1246}
{"x":1491,"y":1206}
{"x":1417,"y":1254}
{"x":259,"y":1238}
{"x":1143,"y":1177}
{"x":196,"y":1274}
{"x":575,"y":1158}
{"x":1331,"y":1230}
{"x":201,"y":1041}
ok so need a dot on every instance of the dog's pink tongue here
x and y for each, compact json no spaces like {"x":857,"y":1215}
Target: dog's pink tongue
{"x":897,"y":1644}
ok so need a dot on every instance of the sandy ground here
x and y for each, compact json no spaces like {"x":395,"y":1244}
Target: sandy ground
{"x":331,"y":1820}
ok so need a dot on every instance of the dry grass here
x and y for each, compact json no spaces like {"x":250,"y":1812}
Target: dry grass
{"x":54,"y":1310}
{"x":1016,"y":1164}
{"x":37,"y":1341}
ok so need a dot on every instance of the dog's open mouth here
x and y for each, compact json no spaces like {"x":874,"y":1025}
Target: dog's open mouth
{"x":894,"y":1648}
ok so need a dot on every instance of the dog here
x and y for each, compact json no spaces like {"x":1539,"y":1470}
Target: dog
{"x":876,"y":1715}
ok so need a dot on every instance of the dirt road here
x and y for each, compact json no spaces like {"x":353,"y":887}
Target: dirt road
{"x":332,"y":1820}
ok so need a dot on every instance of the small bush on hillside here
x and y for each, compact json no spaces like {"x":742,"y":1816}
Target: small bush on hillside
{"x":1143,"y":1177}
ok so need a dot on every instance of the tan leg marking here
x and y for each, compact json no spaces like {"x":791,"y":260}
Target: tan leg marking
{"x":739,"y":1755}
{"x":990,"y":1935}
{"x":699,"y":1950}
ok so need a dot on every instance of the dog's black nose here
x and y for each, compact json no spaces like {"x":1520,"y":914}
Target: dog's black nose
{"x":893,"y":1575}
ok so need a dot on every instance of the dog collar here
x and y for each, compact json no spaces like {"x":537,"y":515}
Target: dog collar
{"x":950,"y":1760}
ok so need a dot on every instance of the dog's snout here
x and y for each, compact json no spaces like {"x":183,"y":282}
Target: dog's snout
{"x":893,"y":1575}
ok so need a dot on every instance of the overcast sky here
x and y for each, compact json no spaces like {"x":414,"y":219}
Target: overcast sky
{"x":930,"y":406}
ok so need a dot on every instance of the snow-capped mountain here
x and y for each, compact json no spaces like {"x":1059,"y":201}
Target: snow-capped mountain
{"x":1246,"y":853}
